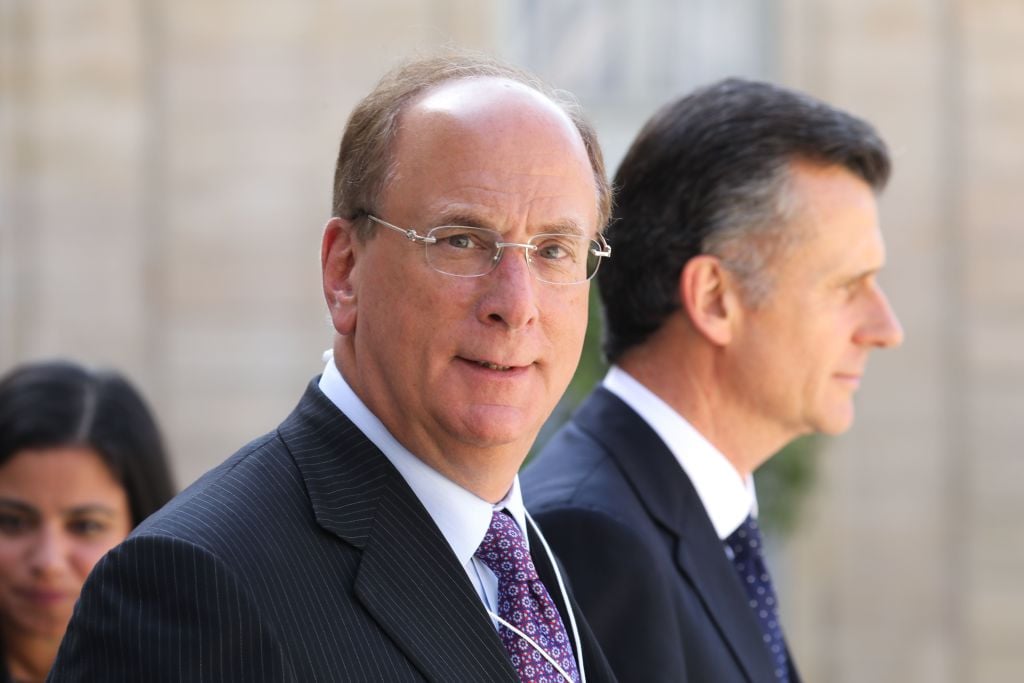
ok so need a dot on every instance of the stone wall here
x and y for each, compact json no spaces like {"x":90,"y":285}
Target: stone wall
{"x":165,"y":172}
{"x":908,"y":565}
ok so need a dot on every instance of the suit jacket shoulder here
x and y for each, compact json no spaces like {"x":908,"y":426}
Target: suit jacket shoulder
{"x":644,"y":560}
{"x":303,"y":557}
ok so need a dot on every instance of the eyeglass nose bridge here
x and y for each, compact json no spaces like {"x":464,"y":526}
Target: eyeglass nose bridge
{"x":499,"y":250}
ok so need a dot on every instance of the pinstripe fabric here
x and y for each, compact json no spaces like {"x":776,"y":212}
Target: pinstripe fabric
{"x":304,"y":557}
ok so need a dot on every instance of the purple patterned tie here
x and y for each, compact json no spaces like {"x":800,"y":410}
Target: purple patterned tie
{"x":524,"y":602}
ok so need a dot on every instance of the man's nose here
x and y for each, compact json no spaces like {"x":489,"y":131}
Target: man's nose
{"x":881,"y":328}
{"x":510,"y":296}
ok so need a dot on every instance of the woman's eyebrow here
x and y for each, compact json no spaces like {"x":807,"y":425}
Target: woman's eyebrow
{"x":13,"y":503}
{"x":91,"y":508}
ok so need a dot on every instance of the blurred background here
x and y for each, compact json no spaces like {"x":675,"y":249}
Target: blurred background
{"x":165,"y":173}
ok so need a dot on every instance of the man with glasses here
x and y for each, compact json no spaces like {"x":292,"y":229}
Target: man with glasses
{"x":740,"y":308}
{"x":379,"y":533}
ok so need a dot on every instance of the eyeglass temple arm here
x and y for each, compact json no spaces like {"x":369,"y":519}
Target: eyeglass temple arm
{"x":410,"y":234}
{"x":606,"y":252}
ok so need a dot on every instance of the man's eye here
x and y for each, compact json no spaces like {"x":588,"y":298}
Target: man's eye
{"x":856,"y":286}
{"x":462,"y":241}
{"x":466,"y":240}
{"x":555,"y":250}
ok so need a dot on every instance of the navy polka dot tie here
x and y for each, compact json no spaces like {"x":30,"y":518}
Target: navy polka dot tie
{"x":525,"y":603}
{"x":744,"y":545}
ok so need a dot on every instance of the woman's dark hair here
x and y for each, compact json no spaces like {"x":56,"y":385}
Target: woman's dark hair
{"x":58,"y":403}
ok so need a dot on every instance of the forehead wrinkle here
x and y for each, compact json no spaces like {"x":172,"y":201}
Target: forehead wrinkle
{"x":473,"y":219}
{"x":565,"y":226}
{"x":496,"y":214}
{"x":504,"y":189}
{"x":549,"y":180}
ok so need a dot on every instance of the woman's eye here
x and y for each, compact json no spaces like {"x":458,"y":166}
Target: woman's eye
{"x":12,"y":524}
{"x":87,"y":527}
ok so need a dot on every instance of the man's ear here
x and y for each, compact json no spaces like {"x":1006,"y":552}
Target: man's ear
{"x":338,"y":253}
{"x":708,"y":293}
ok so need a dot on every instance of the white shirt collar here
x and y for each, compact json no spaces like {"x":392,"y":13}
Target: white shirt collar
{"x":462,"y":516}
{"x":727,"y":497}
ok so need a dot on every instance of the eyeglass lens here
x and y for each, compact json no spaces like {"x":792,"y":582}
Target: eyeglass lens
{"x":556,"y":258}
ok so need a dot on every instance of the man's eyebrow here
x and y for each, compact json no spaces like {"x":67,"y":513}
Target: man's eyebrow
{"x":561,"y":227}
{"x":469,"y":220}
{"x":564,"y":227}
{"x":860,"y":276}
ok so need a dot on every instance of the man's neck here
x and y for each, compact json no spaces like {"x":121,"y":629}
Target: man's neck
{"x":486,"y":470}
{"x":691,"y":389}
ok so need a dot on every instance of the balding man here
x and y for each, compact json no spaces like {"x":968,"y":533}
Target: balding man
{"x":379,"y":533}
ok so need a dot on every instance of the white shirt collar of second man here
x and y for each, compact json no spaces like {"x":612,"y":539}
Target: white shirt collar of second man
{"x":727,"y":497}
{"x":462,"y":517}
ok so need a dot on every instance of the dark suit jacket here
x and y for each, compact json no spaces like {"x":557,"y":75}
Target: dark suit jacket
{"x":644,"y":560}
{"x":304,"y":557}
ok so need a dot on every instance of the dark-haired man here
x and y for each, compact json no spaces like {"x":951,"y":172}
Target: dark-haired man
{"x":378,"y":534}
{"x":740,"y":310}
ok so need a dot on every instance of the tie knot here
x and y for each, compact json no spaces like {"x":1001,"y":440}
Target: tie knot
{"x":746,"y":540}
{"x":504,"y":551}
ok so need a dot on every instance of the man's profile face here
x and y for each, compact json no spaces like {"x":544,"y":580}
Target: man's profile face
{"x":459,"y":364}
{"x":801,"y":354}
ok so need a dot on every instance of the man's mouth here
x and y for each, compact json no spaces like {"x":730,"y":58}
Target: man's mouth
{"x":493,"y":366}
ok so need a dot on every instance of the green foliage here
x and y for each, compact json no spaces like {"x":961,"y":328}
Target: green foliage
{"x":782,"y":483}
{"x":589,"y":372}
{"x":592,"y":366}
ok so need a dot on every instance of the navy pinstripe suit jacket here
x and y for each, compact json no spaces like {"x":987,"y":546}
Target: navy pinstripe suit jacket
{"x":304,"y":557}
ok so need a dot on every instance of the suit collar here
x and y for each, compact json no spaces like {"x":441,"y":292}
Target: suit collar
{"x":726,"y":496}
{"x":643,"y":458}
{"x":670,"y":499}
{"x":408,"y":578}
{"x":461,"y":515}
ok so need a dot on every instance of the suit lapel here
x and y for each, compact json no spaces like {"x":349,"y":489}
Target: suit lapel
{"x":671,"y":500}
{"x":412,"y":583}
{"x":408,"y":579}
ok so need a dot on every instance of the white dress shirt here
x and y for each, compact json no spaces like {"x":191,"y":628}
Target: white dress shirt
{"x":462,"y":516}
{"x":727,"y":497}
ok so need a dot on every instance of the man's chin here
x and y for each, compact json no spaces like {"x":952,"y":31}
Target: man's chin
{"x":836,"y":424}
{"x":494,"y":426}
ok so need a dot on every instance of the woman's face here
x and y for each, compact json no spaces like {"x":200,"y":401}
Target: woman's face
{"x":60,"y":510}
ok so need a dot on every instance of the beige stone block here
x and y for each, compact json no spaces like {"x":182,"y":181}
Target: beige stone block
{"x":995,"y":279}
{"x":995,"y":345}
